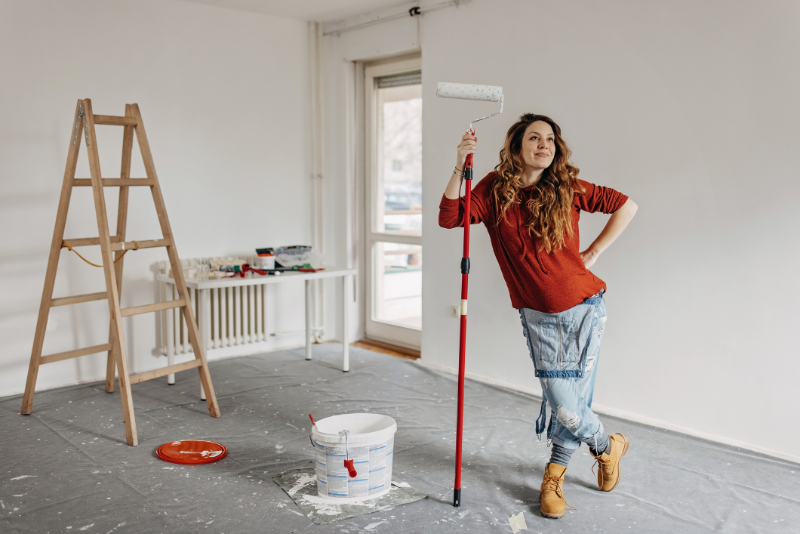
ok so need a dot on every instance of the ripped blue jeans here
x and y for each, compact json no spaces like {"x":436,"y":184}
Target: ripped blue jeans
{"x":565,"y":348}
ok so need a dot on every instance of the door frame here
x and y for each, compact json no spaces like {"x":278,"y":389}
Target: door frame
{"x":380,"y":330}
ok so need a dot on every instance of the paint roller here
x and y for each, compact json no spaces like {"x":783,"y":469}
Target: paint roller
{"x":490,"y":93}
{"x":466,"y":91}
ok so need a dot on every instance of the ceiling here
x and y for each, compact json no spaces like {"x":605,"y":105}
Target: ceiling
{"x":319,"y":10}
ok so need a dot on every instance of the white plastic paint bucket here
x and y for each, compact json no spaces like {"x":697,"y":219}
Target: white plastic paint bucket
{"x":365,"y":438}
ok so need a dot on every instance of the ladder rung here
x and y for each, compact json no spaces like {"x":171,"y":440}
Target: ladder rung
{"x":75,"y":353}
{"x":149,"y":375}
{"x":130,"y":245}
{"x":86,"y":241}
{"x":115,"y":182}
{"x":147,"y":308}
{"x":78,"y":299}
{"x":114,"y":121}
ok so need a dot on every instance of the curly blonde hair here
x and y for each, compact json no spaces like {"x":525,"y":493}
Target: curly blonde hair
{"x":551,"y":202}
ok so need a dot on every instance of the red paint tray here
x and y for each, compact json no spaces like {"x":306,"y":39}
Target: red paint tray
{"x":192,"y":452}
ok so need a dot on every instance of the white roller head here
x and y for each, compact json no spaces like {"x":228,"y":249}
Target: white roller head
{"x":467,"y":91}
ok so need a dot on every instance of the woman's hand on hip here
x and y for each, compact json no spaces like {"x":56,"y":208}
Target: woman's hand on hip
{"x":468,"y":145}
{"x":589,"y":256}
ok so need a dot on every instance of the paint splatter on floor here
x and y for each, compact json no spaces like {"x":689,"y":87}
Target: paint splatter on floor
{"x":301,"y":485}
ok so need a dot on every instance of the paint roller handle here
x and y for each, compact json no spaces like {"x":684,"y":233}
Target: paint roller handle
{"x":465,"y":149}
{"x":468,"y":161}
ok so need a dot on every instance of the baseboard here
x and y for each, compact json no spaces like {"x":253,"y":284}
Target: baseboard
{"x":622,"y":414}
{"x":248,"y":349}
{"x":212,"y":355}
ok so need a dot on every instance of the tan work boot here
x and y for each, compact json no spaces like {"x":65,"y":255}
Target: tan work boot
{"x":609,"y":474}
{"x":551,"y":496}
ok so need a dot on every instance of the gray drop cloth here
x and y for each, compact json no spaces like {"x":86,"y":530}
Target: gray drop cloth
{"x":300,"y":484}
{"x":66,"y":468}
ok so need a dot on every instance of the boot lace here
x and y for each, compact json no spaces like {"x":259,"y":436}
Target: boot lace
{"x":605,"y":465}
{"x":554,"y":484}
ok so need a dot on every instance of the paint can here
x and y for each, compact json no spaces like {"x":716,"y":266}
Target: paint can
{"x":366,"y":442}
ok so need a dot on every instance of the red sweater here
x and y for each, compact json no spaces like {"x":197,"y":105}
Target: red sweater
{"x":549,"y":283}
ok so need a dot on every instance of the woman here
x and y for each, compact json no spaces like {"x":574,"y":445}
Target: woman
{"x":531,"y":205}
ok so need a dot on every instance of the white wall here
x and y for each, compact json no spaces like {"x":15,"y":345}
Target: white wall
{"x":224,"y":98}
{"x":690,"y":108}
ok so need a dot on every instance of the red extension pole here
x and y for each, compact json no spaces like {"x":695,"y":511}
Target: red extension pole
{"x":462,"y":344}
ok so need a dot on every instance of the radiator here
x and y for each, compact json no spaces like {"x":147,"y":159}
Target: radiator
{"x":238,"y":317}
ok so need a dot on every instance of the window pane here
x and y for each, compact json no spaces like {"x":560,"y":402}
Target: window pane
{"x":398,"y":284}
{"x":398,"y":199}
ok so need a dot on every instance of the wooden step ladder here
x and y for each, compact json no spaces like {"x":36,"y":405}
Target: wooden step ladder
{"x":113,"y":248}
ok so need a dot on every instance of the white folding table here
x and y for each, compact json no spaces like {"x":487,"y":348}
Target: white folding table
{"x":204,"y":307}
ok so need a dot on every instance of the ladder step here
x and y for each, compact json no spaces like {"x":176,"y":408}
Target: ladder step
{"x":78,"y":299}
{"x":75,"y":353}
{"x":115,"y":182}
{"x":130,"y":245}
{"x":111,"y":120}
{"x":115,"y":243}
{"x":147,"y":308}
{"x":87,"y":241}
{"x":149,"y":375}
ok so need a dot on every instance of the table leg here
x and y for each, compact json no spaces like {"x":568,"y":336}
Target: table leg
{"x":345,"y":323}
{"x":309,"y":309}
{"x":205,"y":322}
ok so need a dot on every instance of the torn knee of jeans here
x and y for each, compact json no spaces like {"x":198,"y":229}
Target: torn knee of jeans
{"x":567,"y":418}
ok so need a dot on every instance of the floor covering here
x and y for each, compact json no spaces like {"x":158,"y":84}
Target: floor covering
{"x":66,"y":467}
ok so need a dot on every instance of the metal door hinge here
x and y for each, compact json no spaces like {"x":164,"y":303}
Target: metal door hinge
{"x":81,"y":120}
